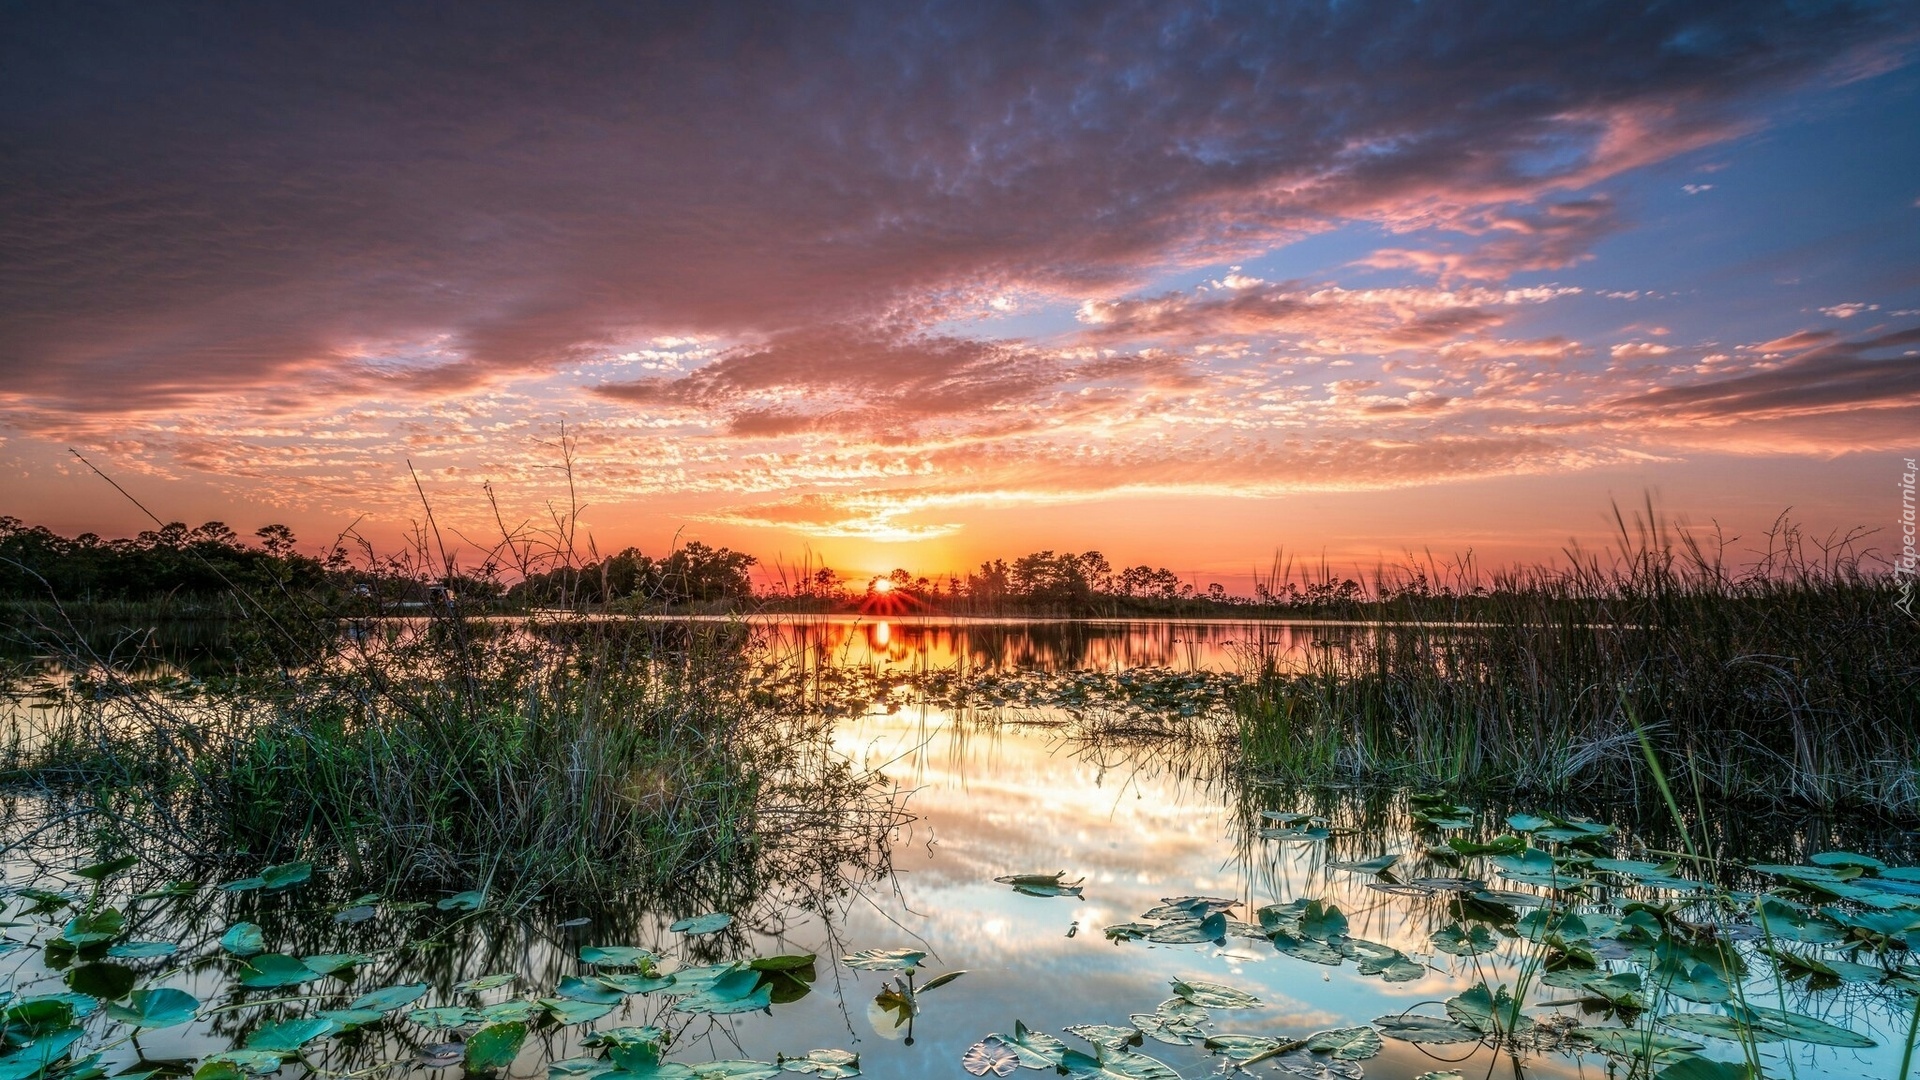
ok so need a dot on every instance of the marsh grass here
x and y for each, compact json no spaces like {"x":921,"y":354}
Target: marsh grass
{"x":458,"y":748}
{"x":1796,"y":681}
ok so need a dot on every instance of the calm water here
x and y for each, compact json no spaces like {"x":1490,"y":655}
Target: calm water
{"x":1010,"y":794}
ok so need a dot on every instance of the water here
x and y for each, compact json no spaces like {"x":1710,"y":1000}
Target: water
{"x":1136,"y":821}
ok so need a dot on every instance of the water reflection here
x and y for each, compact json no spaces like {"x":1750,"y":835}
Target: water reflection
{"x":1053,"y":645}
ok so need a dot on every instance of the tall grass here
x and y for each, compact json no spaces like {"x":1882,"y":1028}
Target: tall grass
{"x":456,"y":751}
{"x":456,"y":748}
{"x":1795,"y":680}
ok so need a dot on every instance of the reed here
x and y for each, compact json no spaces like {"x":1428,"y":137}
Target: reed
{"x":1795,"y":681}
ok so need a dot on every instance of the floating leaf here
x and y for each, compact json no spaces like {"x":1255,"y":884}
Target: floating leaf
{"x":1415,"y":1028}
{"x":485,"y":983}
{"x":1691,"y":1067}
{"x":566,"y":1012}
{"x":1488,"y":1012}
{"x":1251,"y":1049}
{"x":1107,"y":1035}
{"x":143,"y":950}
{"x":387,"y":999}
{"x":271,"y":970}
{"x":737,"y":992}
{"x":92,"y":929}
{"x":1044,"y":885}
{"x":710,"y":923}
{"x":617,"y":956}
{"x":288,"y":1036}
{"x":884,"y":959}
{"x":831,"y":1064}
{"x":1458,"y":940}
{"x":595,"y":991}
{"x":990,"y":1055}
{"x":494,"y":1046}
{"x":351,"y":1019}
{"x":243,"y":939}
{"x":1634,"y":1042}
{"x":471,"y":900}
{"x":286,"y":875}
{"x":1347,"y":1044}
{"x":333,"y":963}
{"x":1115,"y":1065}
{"x":1036,"y":1049}
{"x":1370,"y":866}
{"x":254,"y":1062}
{"x":101,"y":871}
{"x":444,"y":1018}
{"x":1210,"y":995}
{"x":160,"y":1007}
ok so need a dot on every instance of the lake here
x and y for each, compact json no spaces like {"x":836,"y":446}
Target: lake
{"x":1193,"y":903}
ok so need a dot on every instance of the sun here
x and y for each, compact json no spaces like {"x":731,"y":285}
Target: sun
{"x":881,"y":585}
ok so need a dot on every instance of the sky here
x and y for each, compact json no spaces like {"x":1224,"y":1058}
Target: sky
{"x":908,"y":284}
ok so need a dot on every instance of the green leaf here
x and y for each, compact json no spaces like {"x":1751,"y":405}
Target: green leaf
{"x":711,"y":923}
{"x":332,"y":963}
{"x":1458,"y":940}
{"x":1108,"y":1035}
{"x":351,"y":1019}
{"x":485,"y":983}
{"x":1415,"y":1028}
{"x":590,"y":990}
{"x":625,"y":956}
{"x":471,"y":900}
{"x":1639,"y":1043}
{"x":1036,"y":1049}
{"x":101,"y":871}
{"x":252,"y":1062}
{"x":389,"y":998}
{"x":1347,"y":1044}
{"x":737,"y":992}
{"x":1488,"y":1012}
{"x":566,"y":1012}
{"x":92,"y":929}
{"x":288,"y":1036}
{"x":271,"y":970}
{"x":445,"y":1017}
{"x":160,"y":1007}
{"x":1691,"y":1067}
{"x":38,"y":1055}
{"x":243,"y":939}
{"x":1209,"y":995}
{"x":1370,"y":866}
{"x":495,"y":1046}
{"x":943,"y":980}
{"x":286,"y":875}
{"x":143,"y":950}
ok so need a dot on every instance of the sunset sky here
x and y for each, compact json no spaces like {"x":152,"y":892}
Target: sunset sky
{"x":914,"y":284}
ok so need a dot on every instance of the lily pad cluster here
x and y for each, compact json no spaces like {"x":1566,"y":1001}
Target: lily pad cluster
{"x":116,"y":988}
{"x":1115,"y":1051}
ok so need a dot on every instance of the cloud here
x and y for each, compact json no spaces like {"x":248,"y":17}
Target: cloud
{"x":498,"y":190}
{"x":1842,"y":376}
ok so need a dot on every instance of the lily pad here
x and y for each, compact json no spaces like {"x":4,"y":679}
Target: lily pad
{"x":884,"y":959}
{"x":710,"y":923}
{"x":1347,"y":1044}
{"x":1425,"y":1030}
{"x":161,"y":1007}
{"x":288,"y":1036}
{"x":494,"y":1046}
